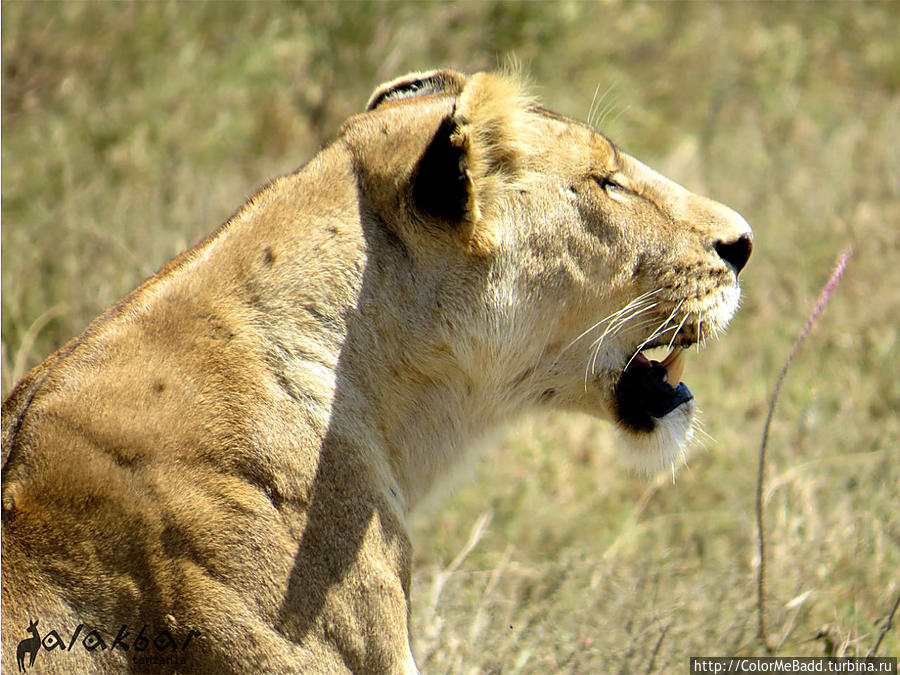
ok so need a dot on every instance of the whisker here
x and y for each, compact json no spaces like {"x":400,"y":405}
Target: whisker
{"x":637,"y":326}
{"x":595,"y":103}
{"x":596,"y":114}
{"x":657,"y":334}
{"x":699,"y":328}
{"x":589,"y":366}
{"x":632,"y":304}
{"x":617,"y":325}
{"x":659,"y":331}
{"x":613,"y":316}
{"x":619,"y":114}
{"x":672,"y":341}
{"x":700,"y":431}
{"x":616,"y":322}
{"x":611,"y":330}
{"x":634,"y":326}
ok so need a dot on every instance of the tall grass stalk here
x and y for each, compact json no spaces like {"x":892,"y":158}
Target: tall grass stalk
{"x":824,"y":296}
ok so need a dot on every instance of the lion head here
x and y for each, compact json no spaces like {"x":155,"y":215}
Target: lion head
{"x":562,"y":258}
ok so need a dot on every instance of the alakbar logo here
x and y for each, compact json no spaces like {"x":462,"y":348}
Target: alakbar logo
{"x":149,"y":649}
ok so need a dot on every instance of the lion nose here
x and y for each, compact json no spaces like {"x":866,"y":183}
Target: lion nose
{"x":736,"y":252}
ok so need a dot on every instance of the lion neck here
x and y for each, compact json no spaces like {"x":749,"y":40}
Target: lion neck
{"x":361,"y":337}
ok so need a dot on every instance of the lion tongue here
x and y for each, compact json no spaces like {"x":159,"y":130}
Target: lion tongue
{"x":642,"y":361}
{"x":674,"y":365}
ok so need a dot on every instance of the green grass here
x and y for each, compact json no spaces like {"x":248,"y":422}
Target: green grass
{"x":130,"y":130}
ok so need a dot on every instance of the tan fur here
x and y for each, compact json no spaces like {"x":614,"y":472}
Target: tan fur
{"x":234,"y":447}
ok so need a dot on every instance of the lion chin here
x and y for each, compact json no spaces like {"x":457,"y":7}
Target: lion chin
{"x":228,"y":456}
{"x":666,"y":446}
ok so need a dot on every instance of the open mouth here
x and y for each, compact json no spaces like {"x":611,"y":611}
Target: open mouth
{"x":648,"y":390}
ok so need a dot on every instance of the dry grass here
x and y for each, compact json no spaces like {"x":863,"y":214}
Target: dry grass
{"x":131,"y":129}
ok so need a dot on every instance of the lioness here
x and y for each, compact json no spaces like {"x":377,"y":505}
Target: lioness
{"x":215,"y":476}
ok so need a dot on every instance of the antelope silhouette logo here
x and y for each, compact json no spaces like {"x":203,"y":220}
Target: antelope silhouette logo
{"x":29,"y":645}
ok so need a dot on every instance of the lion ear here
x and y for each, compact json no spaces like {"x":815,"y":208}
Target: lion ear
{"x":473,"y":159}
{"x":442,"y":183}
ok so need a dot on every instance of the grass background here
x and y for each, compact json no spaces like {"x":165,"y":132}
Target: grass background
{"x":129,"y":130}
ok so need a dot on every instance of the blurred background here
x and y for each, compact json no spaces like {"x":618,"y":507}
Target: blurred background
{"x":129,"y":130}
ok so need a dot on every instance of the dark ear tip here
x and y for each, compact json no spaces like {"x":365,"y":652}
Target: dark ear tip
{"x":415,"y":85}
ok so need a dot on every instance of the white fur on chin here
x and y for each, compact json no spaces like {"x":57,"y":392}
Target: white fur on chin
{"x":665,"y":446}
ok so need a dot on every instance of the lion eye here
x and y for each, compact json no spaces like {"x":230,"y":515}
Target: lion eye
{"x":608,"y":183}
